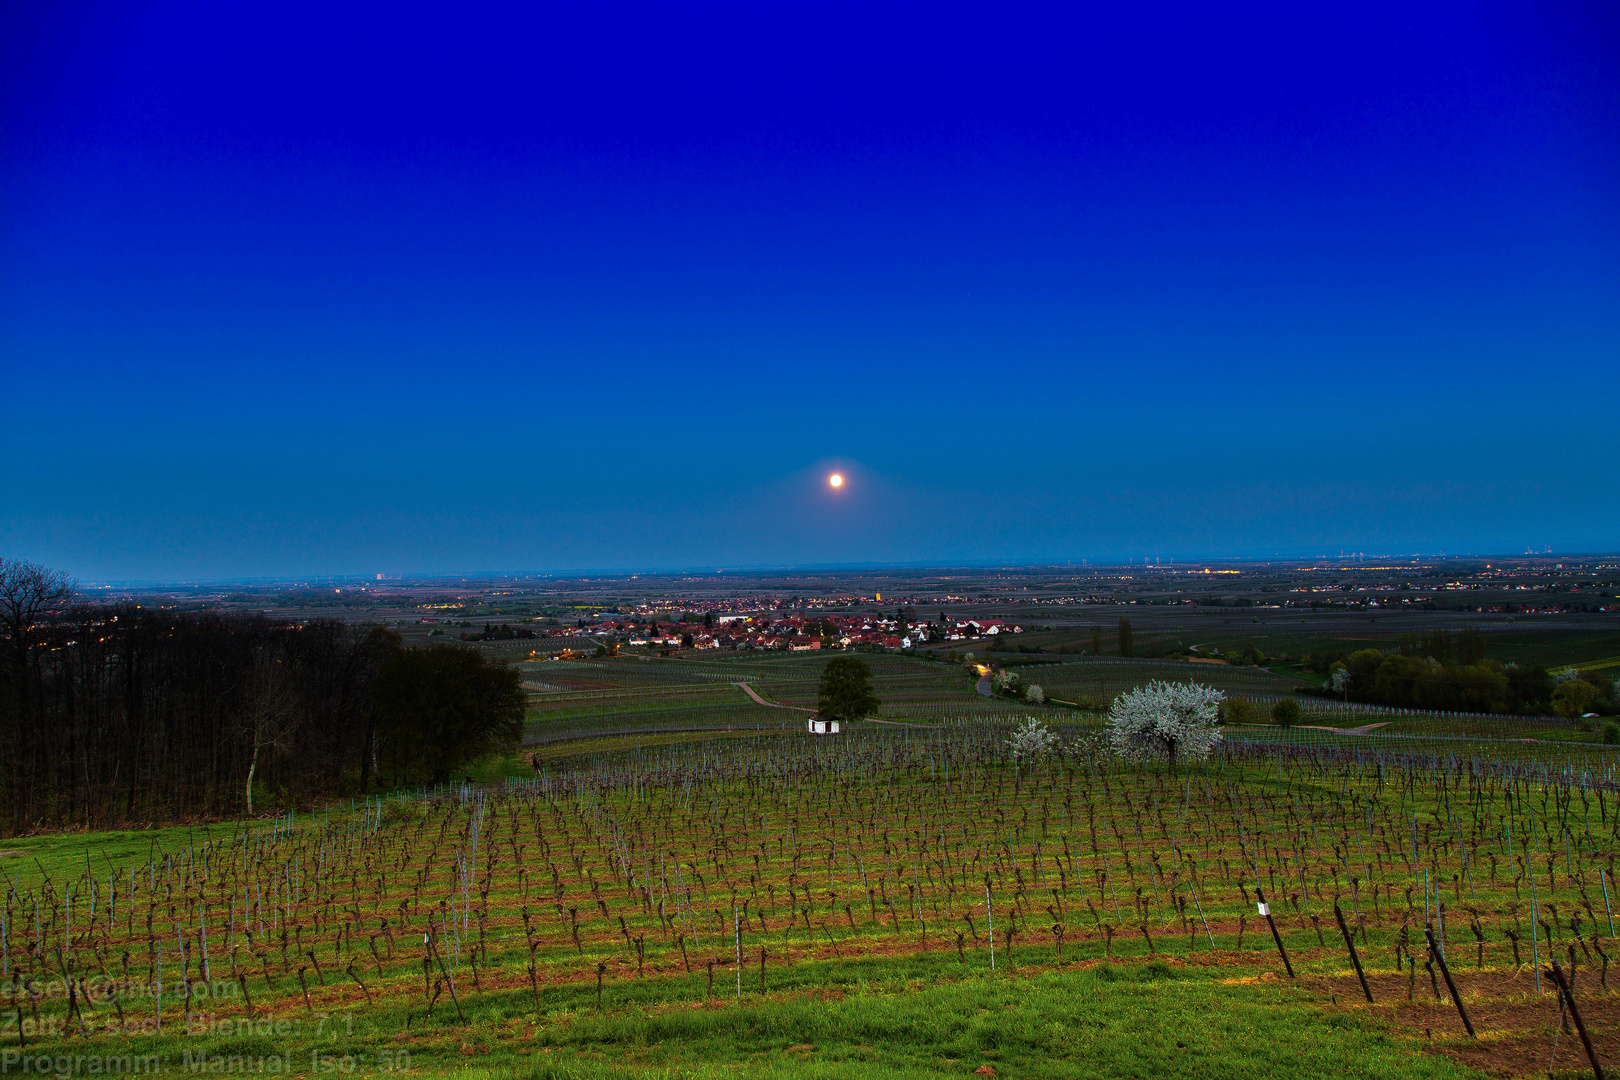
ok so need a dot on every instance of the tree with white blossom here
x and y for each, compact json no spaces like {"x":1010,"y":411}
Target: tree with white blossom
{"x":1341,"y":681}
{"x":1031,"y":741}
{"x":1175,"y":721}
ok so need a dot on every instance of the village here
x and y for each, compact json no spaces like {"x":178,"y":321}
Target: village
{"x":795,"y":633}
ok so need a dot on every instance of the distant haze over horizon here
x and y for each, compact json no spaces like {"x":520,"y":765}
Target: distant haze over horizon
{"x":289,"y":291}
{"x":752,"y":575}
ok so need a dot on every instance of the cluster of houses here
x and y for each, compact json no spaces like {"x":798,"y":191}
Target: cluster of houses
{"x":798,"y":633}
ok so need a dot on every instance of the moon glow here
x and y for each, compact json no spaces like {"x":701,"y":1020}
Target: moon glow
{"x":835,"y":480}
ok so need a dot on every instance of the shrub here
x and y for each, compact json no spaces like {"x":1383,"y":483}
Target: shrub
{"x":1236,"y":710}
{"x":1035,"y":695}
{"x":1573,"y":697}
{"x":1611,"y":733}
{"x":1006,"y":682}
{"x":1285,"y":713}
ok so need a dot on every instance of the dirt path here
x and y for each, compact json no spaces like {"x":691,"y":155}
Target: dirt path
{"x":749,"y":690}
{"x":1362,"y":730}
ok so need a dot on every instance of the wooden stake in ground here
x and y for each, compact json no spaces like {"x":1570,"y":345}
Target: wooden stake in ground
{"x":1265,"y":909}
{"x":990,"y":916}
{"x":1350,"y":943}
{"x":1575,"y":1014}
{"x":1456,"y":998}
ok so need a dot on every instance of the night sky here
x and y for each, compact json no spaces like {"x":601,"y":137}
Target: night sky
{"x":299,"y":289}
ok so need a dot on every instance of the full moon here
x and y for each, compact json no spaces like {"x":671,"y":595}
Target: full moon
{"x":835,"y":480}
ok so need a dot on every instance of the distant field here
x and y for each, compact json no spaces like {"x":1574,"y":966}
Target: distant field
{"x":1508,"y":643}
{"x":1101,"y":679}
{"x":667,"y":696}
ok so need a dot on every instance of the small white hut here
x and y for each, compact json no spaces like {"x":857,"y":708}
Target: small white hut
{"x":818,"y":726}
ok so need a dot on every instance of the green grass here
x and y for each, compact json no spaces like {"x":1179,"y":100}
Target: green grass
{"x":1298,"y":674}
{"x":1106,"y":1021}
{"x":915,"y":1016}
{"x":901,"y":1019}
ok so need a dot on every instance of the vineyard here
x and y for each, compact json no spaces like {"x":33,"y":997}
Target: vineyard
{"x":673,"y":877}
{"x":589,"y":910}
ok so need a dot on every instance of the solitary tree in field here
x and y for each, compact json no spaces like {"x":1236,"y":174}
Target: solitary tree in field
{"x":1285,"y":713}
{"x":1174,"y":721}
{"x":1125,"y":642}
{"x":845,"y":692}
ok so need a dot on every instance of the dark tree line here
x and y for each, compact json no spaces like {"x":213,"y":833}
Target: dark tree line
{"x":118,"y":714}
{"x":1424,"y":682}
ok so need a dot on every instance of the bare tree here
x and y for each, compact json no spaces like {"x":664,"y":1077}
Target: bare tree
{"x":272,"y":705}
{"x":27,"y":592}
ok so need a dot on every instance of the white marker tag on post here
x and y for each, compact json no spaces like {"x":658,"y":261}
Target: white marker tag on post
{"x":1265,"y":909}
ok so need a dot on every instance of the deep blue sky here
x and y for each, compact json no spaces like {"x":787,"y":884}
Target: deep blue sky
{"x":292,"y":290}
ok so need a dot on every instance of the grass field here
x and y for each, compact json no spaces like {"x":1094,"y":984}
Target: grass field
{"x":686,"y":884}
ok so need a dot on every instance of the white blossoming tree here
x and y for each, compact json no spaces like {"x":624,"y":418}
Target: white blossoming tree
{"x":1174,"y":721}
{"x":1031,"y":741}
{"x":1034,"y":694}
